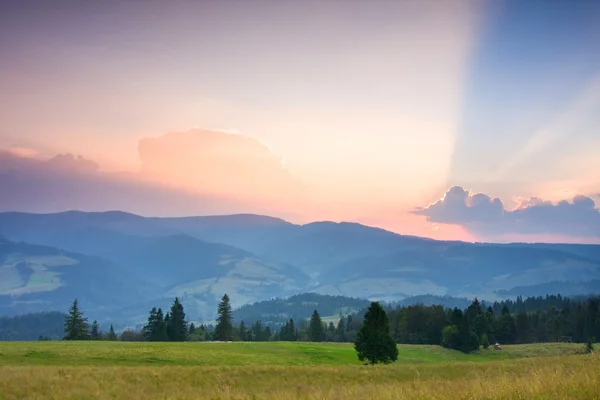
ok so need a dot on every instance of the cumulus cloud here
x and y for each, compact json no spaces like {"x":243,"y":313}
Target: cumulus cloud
{"x":193,"y":172}
{"x":72,"y":163}
{"x":485,"y":215}
{"x":459,"y":206}
{"x":216,"y":162}
{"x":73,"y":183}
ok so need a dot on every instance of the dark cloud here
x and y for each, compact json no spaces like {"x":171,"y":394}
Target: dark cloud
{"x":482,"y":214}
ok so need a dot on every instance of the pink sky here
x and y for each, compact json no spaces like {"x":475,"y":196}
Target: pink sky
{"x":368,"y":112}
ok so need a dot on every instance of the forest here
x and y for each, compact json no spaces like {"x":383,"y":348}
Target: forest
{"x":551,"y":318}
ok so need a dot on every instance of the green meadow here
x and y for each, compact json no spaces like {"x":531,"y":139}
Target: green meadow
{"x":276,"y":370}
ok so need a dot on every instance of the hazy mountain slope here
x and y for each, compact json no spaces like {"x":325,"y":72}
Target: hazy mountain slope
{"x":298,"y":307}
{"x":319,"y":246}
{"x":257,"y":257}
{"x":38,"y":278}
{"x":573,"y":288}
{"x":245,"y":231}
{"x":177,"y":265}
{"x":460,"y":269}
{"x":29,"y":327}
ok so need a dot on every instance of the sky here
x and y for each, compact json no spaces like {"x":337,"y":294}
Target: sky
{"x":468,"y":120}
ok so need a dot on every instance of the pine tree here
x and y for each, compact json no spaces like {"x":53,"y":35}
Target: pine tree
{"x":316,"y":332}
{"x":149,"y":328}
{"x":291,"y":333}
{"x":340,"y":333}
{"x":95,"y":333}
{"x":112,"y":336}
{"x":177,"y":326}
{"x":374,"y":342}
{"x":224,"y":328}
{"x":76,"y":326}
{"x":243,"y":332}
{"x":330,"y":332}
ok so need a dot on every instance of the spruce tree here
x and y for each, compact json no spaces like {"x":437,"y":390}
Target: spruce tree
{"x":224,"y":328}
{"x":243,"y":332}
{"x":112,"y":336}
{"x":149,"y":328}
{"x":177,"y":326}
{"x":291,"y":331}
{"x":95,"y":332}
{"x":340,"y":332}
{"x":316,"y":332}
{"x":374,"y":342}
{"x":160,"y":329}
{"x":76,"y":326}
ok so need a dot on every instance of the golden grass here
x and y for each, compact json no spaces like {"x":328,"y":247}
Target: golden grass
{"x":167,"y":371}
{"x":573,"y":377}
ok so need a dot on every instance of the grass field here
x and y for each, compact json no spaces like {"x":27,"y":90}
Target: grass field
{"x":116,"y":370}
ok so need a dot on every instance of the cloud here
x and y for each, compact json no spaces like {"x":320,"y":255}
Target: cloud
{"x":196,"y":172}
{"x":459,"y":206}
{"x":216,"y":162}
{"x":23,"y":152}
{"x":73,"y":183}
{"x":487,"y":216}
{"x":71,"y":163}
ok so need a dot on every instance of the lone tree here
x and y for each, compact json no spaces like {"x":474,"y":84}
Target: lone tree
{"x":316,"y":332}
{"x":224,"y":328}
{"x":76,"y":326}
{"x":176,"y":326}
{"x":374,"y":342}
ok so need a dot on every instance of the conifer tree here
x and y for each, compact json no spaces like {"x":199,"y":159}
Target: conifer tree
{"x":95,"y":333}
{"x":243,"y":332}
{"x":112,"y":336}
{"x":316,"y":332}
{"x":160,"y":333}
{"x":177,"y":326}
{"x":340,"y":332}
{"x":291,"y":331}
{"x":150,"y":327}
{"x":224,"y":328}
{"x":76,"y":326}
{"x":374,"y":342}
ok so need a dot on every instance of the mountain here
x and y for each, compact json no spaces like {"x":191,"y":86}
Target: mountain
{"x":564,"y":288}
{"x":254,"y":258}
{"x":459,"y":269}
{"x":39,"y":278}
{"x":31,"y":326}
{"x":142,"y":272}
{"x":298,"y":307}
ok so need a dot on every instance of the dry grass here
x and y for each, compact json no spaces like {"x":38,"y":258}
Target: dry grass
{"x":565,"y":377}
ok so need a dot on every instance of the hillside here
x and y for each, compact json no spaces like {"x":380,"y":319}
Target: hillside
{"x":142,"y":272}
{"x":40,"y":278}
{"x":299,"y":307}
{"x":29,"y":327}
{"x":255,"y":258}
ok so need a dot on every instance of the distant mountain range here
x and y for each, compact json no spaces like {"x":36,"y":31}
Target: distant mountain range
{"x":120,"y":265}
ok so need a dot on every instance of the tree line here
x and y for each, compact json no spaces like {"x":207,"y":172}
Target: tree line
{"x":531,"y":320}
